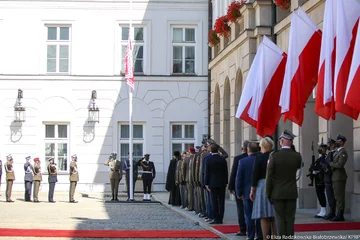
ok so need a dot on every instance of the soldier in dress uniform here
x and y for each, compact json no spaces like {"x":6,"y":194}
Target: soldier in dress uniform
{"x":281,"y":189}
{"x":10,"y":177}
{"x":29,"y":173}
{"x":126,"y":166}
{"x":37,"y":179}
{"x":181,"y":181}
{"x":115,"y":175}
{"x":148,"y":175}
{"x":73,"y":178}
{"x":52,"y":179}
{"x":339,"y":177}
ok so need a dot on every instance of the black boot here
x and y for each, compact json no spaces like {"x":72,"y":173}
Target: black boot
{"x":339,"y":217}
{"x":329,"y":216}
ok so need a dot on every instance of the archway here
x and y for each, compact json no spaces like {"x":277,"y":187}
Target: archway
{"x":217,"y":114}
{"x":237,"y":122}
{"x":226,"y":116}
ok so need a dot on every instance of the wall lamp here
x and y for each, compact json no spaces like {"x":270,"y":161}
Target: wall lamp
{"x":19,"y":110}
{"x":94,"y":112}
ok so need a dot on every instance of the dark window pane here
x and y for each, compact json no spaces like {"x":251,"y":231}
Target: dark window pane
{"x":49,"y":150}
{"x":176,"y":131}
{"x":64,"y":33}
{"x":52,"y":33}
{"x":189,"y":66}
{"x":188,"y":145}
{"x":177,"y":34}
{"x":125,"y":33}
{"x":62,"y":163}
{"x":124,"y":131}
{"x":138,"y":67}
{"x":189,"y":52}
{"x":139,"y":34}
{"x":190,"y":35}
{"x":124,"y":151}
{"x":138,"y":131}
{"x":177,"y":147}
{"x":62,"y":131}
{"x":177,"y":66}
{"x":189,"y":131}
{"x":49,"y":131}
{"x":177,"y":52}
{"x":138,"y":151}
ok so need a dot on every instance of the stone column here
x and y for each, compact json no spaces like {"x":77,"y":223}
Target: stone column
{"x":355,"y":204}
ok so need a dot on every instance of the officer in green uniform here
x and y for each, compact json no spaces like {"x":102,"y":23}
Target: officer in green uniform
{"x":10,"y":177}
{"x":281,"y":189}
{"x":37,"y":179}
{"x":73,"y":178}
{"x":115,"y":175}
{"x":339,"y":177}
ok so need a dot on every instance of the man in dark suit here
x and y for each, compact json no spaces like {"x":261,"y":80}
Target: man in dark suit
{"x":171,"y":186}
{"x":281,"y":189}
{"x":126,"y":166}
{"x":339,"y":177}
{"x":243,"y":186}
{"x":239,"y":202}
{"x":216,"y":179}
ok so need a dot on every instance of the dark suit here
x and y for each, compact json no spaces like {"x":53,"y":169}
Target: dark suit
{"x":243,"y":186}
{"x":126,"y":167}
{"x":29,"y":171}
{"x":239,"y":202}
{"x":171,"y":186}
{"x":281,"y":187}
{"x":216,"y":178}
{"x":209,"y":212}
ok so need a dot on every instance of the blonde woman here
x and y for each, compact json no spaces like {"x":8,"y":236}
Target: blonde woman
{"x":262,"y":208}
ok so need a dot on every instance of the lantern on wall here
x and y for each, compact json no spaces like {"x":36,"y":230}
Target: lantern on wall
{"x":19,"y":110}
{"x":94,"y":111}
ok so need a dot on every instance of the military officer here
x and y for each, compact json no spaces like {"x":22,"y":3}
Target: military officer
{"x":10,"y":177}
{"x":339,"y":177}
{"x":37,"y":179}
{"x":73,"y":178}
{"x":52,"y":179}
{"x":115,"y":175}
{"x":148,"y":175}
{"x":281,"y":187}
{"x":29,"y":173}
{"x":187,"y":167}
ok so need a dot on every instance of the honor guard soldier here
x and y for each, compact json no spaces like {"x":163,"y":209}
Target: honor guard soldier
{"x":339,"y":177}
{"x":37,"y":179}
{"x":29,"y":173}
{"x":10,"y":177}
{"x":52,"y":179}
{"x":148,"y":175}
{"x":281,"y":189}
{"x":115,"y":175}
{"x":73,"y":178}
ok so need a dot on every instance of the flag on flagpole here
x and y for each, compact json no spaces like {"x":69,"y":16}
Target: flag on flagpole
{"x":348,"y":13}
{"x":129,"y":68}
{"x":324,"y":104}
{"x":301,"y":66}
{"x":352,"y":97}
{"x":259,"y":102}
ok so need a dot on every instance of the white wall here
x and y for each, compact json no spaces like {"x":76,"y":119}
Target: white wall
{"x":95,"y":65}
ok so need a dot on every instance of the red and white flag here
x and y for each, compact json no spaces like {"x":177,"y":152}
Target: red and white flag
{"x":348,"y":13}
{"x":325,"y":105}
{"x":301,"y":67}
{"x":129,"y":64}
{"x":259,"y":102}
{"x":352,"y":96}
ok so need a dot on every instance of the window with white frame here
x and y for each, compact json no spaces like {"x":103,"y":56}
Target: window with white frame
{"x":57,"y":144}
{"x":183,"y":50}
{"x":138,"y":50}
{"x":182,"y":136}
{"x":138,"y":141}
{"x":58,"y":49}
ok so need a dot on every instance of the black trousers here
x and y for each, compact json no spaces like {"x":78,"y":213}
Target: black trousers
{"x":241,"y":214}
{"x":128,"y":185}
{"x":218,"y":203}
{"x":147,"y":185}
{"x":28,"y":187}
{"x":330,"y":197}
{"x":51,"y":191}
{"x":320,"y":192}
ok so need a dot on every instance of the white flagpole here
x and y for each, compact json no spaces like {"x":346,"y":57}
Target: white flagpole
{"x":131,"y":177}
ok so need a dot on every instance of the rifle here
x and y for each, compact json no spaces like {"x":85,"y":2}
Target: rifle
{"x":312,"y":165}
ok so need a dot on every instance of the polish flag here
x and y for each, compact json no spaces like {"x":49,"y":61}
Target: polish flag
{"x":348,"y":13}
{"x":325,"y":105}
{"x":302,"y":65}
{"x":129,"y":66}
{"x":352,"y":97}
{"x":259,"y":102}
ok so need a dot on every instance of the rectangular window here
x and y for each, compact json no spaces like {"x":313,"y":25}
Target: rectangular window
{"x":138,"y":141}
{"x":57,"y":144}
{"x":182,"y":136}
{"x":183,"y":50}
{"x":138,"y":50}
{"x":58,"y":49}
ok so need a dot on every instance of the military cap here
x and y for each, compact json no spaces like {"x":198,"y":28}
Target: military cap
{"x":147,"y":154}
{"x":197,"y":148}
{"x":9,"y":156}
{"x":322,"y":145}
{"x":331,"y":141}
{"x":28,"y":158}
{"x":191,"y":149}
{"x":287,"y":135}
{"x":211,"y":141}
{"x":50,"y":158}
{"x":113,"y":153}
{"x":74,"y":156}
{"x":36,"y":159}
{"x":340,"y":138}
{"x":177,"y":154}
